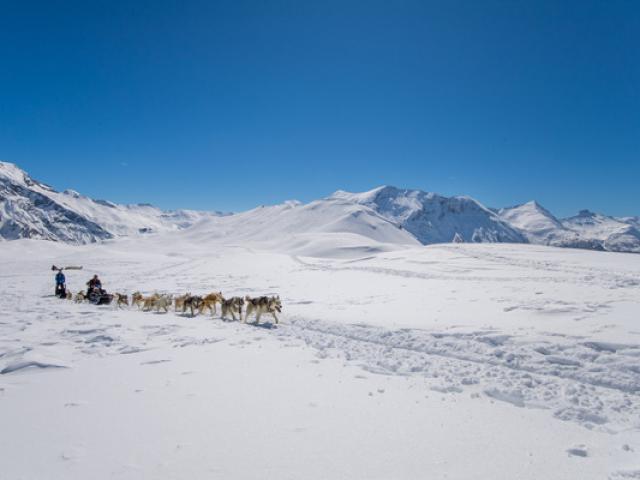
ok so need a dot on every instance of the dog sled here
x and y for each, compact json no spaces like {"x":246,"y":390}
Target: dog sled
{"x":100,"y":297}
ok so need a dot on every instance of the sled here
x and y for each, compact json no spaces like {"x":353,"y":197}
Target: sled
{"x":100,"y":298}
{"x":70,"y":267}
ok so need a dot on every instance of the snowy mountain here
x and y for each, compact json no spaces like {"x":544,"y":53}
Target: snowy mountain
{"x":31,"y":209}
{"x":433,"y":218}
{"x":586,"y":230}
{"x":328,"y":227}
{"x":615,"y":234}
{"x":343,"y":224}
{"x":541,"y":227}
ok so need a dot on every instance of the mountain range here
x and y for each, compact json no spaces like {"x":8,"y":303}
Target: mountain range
{"x":373,"y":220}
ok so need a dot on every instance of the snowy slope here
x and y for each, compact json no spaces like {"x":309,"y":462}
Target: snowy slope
{"x":585,"y":230}
{"x":614,"y":234}
{"x":633,"y":221}
{"x":415,"y":363}
{"x":433,"y":218}
{"x":329,"y":227}
{"x":343,"y":224}
{"x":30,"y":209}
{"x":541,"y":227}
{"x":352,"y":224}
{"x":535,"y":220}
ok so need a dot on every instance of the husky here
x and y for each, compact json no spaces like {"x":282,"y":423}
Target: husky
{"x":68,"y":295}
{"x":137,"y":299}
{"x":148,"y":302}
{"x":81,"y":296}
{"x":164,"y":302}
{"x":261,"y":305}
{"x":193,"y":303}
{"x":179,"y":301}
{"x":210,"y":302}
{"x":233,"y":306}
{"x":121,"y":299}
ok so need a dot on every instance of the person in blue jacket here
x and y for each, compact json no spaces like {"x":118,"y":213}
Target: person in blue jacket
{"x":61,"y":288}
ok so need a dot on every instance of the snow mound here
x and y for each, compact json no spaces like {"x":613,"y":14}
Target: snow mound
{"x":329,"y":227}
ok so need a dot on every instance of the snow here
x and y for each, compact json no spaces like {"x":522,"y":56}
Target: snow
{"x":585,"y":230}
{"x":30,"y":209}
{"x":12,"y":172}
{"x":314,"y":229}
{"x":378,"y":220}
{"x":589,"y":223}
{"x":395,"y":360}
{"x":433,"y":218}
{"x":532,"y":218}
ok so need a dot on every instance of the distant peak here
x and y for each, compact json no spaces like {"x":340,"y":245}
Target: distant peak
{"x":8,"y":165}
{"x":12,"y":172}
{"x":586,"y":213}
{"x":367,"y":193}
{"x":71,"y":193}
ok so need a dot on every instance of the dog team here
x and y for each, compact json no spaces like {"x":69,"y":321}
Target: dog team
{"x":196,"y":304}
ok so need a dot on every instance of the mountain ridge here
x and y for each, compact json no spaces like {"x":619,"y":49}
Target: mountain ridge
{"x":385,"y":215}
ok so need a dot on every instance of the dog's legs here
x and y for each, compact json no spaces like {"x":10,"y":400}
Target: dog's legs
{"x":275,"y":317}
{"x":258,"y":315}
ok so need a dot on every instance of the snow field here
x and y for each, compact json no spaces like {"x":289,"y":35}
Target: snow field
{"x":403,"y":364}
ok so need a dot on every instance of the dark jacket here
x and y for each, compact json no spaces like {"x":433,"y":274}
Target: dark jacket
{"x":60,"y":278}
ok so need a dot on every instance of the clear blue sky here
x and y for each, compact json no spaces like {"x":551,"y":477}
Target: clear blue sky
{"x":227,"y":105}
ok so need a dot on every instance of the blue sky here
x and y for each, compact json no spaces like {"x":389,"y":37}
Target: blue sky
{"x":227,"y":105}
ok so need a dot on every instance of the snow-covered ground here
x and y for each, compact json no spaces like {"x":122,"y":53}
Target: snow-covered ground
{"x":498,"y":361}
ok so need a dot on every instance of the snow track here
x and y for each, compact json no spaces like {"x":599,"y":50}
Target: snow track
{"x":592,"y":384}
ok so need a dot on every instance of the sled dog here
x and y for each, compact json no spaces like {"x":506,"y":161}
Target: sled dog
{"x":179,"y":301}
{"x":121,"y":299}
{"x":210,"y":302}
{"x":163,"y":302}
{"x":81,"y":296}
{"x":233,"y":305}
{"x":193,"y":303}
{"x":137,"y":299}
{"x":149,"y":302}
{"x":261,"y":305}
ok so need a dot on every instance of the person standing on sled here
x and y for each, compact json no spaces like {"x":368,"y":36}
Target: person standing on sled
{"x":94,"y":283}
{"x":61,"y":288}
